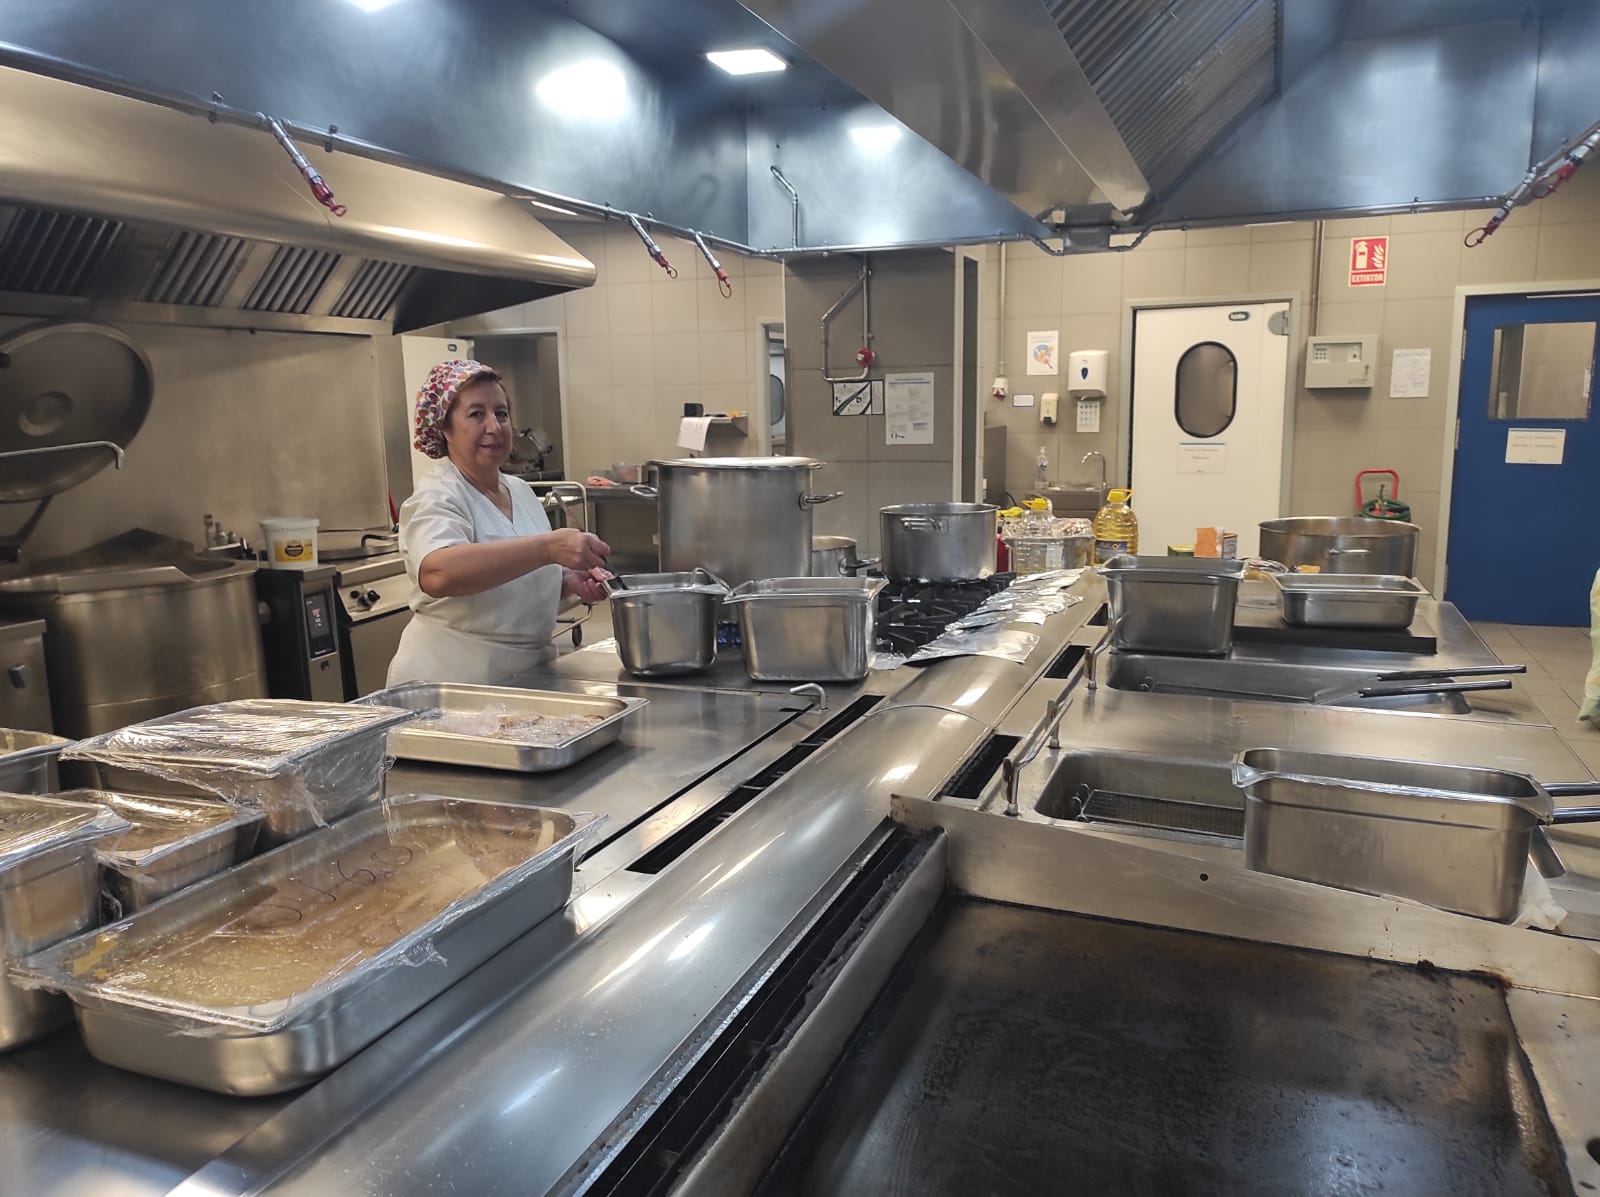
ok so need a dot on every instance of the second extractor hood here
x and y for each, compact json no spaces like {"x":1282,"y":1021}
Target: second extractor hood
{"x":114,"y":208}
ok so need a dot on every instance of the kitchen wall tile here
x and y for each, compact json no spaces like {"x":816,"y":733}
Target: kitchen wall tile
{"x":1577,"y":200}
{"x":673,"y":310}
{"x":1351,"y":317}
{"x":628,"y":309}
{"x":763,"y":295}
{"x":1426,"y":222}
{"x":677,"y":358}
{"x":587,"y":313}
{"x":1284,"y":230}
{"x":588,"y":361}
{"x":1424,"y":264}
{"x":719,"y":313}
{"x":1090,"y":282}
{"x":625,"y":260}
{"x":635,"y":364}
{"x":1361,"y":226}
{"x":1510,"y":256}
{"x":1568,"y":250}
{"x":1238,"y":234}
{"x":1162,"y":239}
{"x":1152,"y":273}
{"x":852,"y":514}
{"x":549,"y":312}
{"x":1280,"y":266}
{"x":1033,"y":287}
{"x":1217,"y":271}
{"x":913,"y":322}
{"x":726,"y":356}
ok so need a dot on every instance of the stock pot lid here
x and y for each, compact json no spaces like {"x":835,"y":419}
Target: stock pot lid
{"x":743,"y":463}
{"x":65,"y":384}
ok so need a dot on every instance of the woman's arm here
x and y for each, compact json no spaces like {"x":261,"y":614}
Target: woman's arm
{"x":466,"y":569}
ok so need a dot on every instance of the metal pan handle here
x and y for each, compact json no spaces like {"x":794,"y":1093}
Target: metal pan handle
{"x":1393,"y":690}
{"x":1421,"y":675}
{"x":813,"y":500}
{"x":920,"y":523}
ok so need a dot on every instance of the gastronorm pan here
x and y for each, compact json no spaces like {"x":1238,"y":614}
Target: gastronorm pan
{"x":418,"y":741}
{"x":1348,"y":600}
{"x":171,"y":843}
{"x":264,"y":977}
{"x":28,"y":761}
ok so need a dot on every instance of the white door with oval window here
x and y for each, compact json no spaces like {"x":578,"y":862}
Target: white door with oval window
{"x":1209,"y":434}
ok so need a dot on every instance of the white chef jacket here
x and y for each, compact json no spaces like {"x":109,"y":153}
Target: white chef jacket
{"x":485,"y":638}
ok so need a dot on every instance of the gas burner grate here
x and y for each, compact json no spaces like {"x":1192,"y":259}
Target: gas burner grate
{"x":912,"y":614}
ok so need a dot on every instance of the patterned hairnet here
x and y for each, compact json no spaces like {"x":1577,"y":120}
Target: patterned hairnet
{"x":438,"y":395}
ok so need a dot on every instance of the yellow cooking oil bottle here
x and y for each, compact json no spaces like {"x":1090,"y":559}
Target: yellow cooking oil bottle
{"x":1116,"y":528}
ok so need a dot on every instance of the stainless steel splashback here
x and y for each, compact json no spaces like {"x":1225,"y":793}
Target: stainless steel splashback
{"x":114,"y":208}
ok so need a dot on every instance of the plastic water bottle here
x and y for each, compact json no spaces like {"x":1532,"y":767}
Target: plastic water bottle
{"x":1043,"y":481}
{"x":1116,"y":528}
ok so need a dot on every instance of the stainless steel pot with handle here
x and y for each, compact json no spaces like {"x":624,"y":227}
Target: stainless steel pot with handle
{"x":938,"y":542}
{"x":744,"y":518}
{"x":835,"y":557}
{"x":1342,"y":544}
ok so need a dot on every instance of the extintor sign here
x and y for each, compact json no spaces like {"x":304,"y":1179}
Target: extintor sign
{"x":1369,"y":261}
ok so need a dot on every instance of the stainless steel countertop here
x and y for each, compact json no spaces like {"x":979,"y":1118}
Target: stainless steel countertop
{"x":503,"y":1082}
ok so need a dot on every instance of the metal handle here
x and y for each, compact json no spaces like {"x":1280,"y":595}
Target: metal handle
{"x":813,"y":691}
{"x":813,"y":500}
{"x":920,"y":523}
{"x":19,"y":676}
{"x":1386,"y":690}
{"x":644,"y":491}
{"x":1419,"y":675}
{"x":1572,"y":789}
{"x":1011,"y":768}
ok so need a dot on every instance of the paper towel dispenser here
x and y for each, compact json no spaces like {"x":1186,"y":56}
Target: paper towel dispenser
{"x":1086,"y":373}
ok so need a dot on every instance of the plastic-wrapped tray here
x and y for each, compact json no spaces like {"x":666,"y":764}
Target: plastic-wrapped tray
{"x":303,"y":763}
{"x":170,"y":843}
{"x":48,"y":890}
{"x":449,"y":731}
{"x":264,"y":977}
{"x":28,"y":761}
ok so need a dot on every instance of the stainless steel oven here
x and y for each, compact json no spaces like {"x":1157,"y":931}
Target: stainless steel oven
{"x":374,"y":601}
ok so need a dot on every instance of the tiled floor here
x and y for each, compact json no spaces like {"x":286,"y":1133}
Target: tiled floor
{"x":1557,"y":661}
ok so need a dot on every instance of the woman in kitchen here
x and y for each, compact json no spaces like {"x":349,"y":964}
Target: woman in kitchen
{"x":488,"y":574}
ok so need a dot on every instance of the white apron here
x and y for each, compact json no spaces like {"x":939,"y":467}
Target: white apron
{"x":480,"y":639}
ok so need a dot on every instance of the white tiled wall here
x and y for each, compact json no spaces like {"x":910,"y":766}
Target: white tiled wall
{"x":638,"y":345}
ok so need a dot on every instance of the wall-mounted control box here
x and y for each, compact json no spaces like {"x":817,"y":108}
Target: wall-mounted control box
{"x":1346,"y":361}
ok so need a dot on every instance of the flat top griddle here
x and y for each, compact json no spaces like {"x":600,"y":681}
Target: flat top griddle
{"x":1025,"y":1052}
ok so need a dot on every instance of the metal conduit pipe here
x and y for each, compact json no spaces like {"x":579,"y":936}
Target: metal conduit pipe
{"x":863,"y":284}
{"x":794,"y":204}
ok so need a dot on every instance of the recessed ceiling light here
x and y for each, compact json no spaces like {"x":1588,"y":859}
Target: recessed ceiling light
{"x":372,"y":5}
{"x":874,"y":139}
{"x":594,"y":89}
{"x":747,"y":62}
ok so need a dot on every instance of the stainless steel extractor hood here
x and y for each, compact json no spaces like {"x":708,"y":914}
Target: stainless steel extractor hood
{"x":117,"y":209}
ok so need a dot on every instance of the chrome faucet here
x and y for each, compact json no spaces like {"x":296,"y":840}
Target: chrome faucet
{"x":1084,"y":460}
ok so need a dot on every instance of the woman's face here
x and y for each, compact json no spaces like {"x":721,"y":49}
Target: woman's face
{"x":478,"y":429}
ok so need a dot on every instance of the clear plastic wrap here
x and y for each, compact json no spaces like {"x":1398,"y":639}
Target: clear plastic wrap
{"x":31,"y":825}
{"x":266,"y":946}
{"x":171,"y":843}
{"x":303,"y":763}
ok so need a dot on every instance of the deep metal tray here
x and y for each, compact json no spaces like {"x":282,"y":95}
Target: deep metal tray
{"x":1348,"y":600}
{"x":286,"y":1040}
{"x":174,"y":843}
{"x":28,"y":761}
{"x":417,"y":742}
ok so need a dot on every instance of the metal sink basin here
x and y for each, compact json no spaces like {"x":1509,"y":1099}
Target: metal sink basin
{"x":1153,"y":792}
{"x":1263,"y":681}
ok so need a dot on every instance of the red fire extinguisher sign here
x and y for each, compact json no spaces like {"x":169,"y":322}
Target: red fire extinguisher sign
{"x":1369,"y":261}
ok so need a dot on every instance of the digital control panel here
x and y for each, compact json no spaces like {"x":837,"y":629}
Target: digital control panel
{"x":321,"y":638}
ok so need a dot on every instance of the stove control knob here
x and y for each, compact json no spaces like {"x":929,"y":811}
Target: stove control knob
{"x":371,"y":597}
{"x":355,"y":596}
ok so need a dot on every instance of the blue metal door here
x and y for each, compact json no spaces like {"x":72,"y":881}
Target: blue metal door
{"x":1525,"y":501}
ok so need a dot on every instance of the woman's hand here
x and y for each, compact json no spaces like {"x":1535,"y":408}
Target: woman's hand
{"x":575,"y":550}
{"x":585,"y":586}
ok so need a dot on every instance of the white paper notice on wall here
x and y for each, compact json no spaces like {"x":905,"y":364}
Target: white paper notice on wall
{"x":1202,"y":457}
{"x":908,"y":409}
{"x":1044,"y":352}
{"x":1022,"y":399}
{"x":692,"y":432}
{"x":1408,"y":373}
{"x":1536,"y":446}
